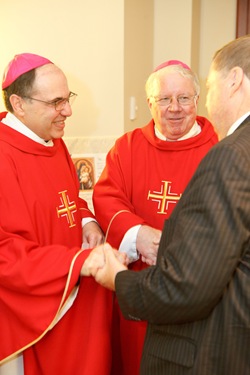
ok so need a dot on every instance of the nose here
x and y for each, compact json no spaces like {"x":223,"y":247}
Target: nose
{"x":66,"y":110}
{"x":174,"y":105}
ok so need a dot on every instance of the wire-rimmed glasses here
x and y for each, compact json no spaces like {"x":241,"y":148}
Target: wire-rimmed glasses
{"x":59,"y":103}
{"x":181,"y":99}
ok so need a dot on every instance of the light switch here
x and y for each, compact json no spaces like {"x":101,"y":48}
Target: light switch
{"x":132,"y":108}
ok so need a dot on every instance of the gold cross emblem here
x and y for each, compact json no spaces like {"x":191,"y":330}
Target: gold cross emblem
{"x":164,"y":197}
{"x":67,"y":208}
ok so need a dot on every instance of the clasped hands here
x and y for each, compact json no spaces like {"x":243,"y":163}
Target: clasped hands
{"x":103,"y":263}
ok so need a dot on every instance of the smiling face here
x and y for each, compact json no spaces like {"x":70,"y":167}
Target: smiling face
{"x":43,"y":119}
{"x":174,"y":120}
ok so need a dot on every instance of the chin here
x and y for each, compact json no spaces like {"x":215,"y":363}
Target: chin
{"x":58,"y":134}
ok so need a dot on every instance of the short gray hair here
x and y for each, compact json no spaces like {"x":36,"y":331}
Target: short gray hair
{"x":235,"y":53}
{"x":153,"y":81}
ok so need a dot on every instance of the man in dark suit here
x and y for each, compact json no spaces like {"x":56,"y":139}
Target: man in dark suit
{"x":197,"y":297}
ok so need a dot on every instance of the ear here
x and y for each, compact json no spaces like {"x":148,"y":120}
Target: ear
{"x":17,"y":104}
{"x":235,"y":79}
{"x":149,"y":103}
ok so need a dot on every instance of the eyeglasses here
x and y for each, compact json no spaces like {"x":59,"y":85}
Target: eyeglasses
{"x":59,"y":104}
{"x":182,"y":100}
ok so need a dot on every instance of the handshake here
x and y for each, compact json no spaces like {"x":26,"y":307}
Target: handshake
{"x":103,"y":263}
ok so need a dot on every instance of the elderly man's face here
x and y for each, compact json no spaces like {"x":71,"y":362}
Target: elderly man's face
{"x":174,"y":120}
{"x":43,"y":119}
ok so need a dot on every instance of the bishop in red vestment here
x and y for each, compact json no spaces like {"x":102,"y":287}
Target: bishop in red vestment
{"x":57,"y":320}
{"x":144,"y":178}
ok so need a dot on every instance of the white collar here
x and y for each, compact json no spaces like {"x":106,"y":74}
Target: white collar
{"x":196,"y":129}
{"x":13,"y":122}
{"x":237,"y":123}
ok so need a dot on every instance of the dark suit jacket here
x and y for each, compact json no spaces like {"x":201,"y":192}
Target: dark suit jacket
{"x":197,"y":298}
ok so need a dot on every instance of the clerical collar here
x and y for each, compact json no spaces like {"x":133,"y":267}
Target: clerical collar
{"x":13,"y":122}
{"x":238,"y":123}
{"x":195,"y":130}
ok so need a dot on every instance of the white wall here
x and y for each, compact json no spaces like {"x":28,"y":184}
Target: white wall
{"x":172,"y":30}
{"x":174,"y":25}
{"x":86,"y":39}
{"x":218,"y":27}
{"x":138,"y":60}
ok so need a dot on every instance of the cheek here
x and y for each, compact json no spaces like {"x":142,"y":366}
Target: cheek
{"x":211,"y":101}
{"x":190,"y":113}
{"x":157,"y":113}
{"x":216,"y":114}
{"x":190,"y":110}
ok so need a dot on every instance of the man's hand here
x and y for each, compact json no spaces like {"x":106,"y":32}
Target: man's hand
{"x":114,"y":263}
{"x":97,"y":261}
{"x":147,"y":243}
{"x":94,"y":261}
{"x":92,"y":235}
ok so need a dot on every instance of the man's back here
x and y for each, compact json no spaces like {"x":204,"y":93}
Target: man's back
{"x":208,"y":333}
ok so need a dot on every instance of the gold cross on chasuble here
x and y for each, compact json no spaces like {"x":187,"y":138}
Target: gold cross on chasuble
{"x":67,"y":208}
{"x":164,"y":197}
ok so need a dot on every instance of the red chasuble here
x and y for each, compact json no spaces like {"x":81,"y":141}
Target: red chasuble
{"x":40,"y":263}
{"x":142,"y":182}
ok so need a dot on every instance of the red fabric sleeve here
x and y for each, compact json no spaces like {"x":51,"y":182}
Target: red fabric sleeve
{"x":112,"y":196}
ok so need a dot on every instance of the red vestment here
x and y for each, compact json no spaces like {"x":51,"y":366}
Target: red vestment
{"x":40,"y":263}
{"x":142,"y":181}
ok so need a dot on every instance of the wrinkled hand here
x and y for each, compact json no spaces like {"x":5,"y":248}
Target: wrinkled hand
{"x":114,"y":263}
{"x":147,"y":244}
{"x":97,"y":260}
{"x":94,"y":261}
{"x":92,"y":235}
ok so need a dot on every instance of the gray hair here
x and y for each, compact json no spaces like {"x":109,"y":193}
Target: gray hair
{"x":153,"y":82}
{"x":235,"y":53}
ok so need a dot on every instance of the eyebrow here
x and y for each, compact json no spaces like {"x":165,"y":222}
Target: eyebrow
{"x":59,"y":98}
{"x":56,"y":99}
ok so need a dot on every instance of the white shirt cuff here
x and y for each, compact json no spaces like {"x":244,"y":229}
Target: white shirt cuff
{"x":128,"y":244}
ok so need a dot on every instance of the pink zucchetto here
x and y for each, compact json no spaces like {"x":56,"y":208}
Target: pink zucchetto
{"x":171,"y":62}
{"x":21,"y":64}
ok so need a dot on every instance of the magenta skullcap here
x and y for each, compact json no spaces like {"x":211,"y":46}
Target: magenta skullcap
{"x":21,"y":64}
{"x":171,"y":62}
